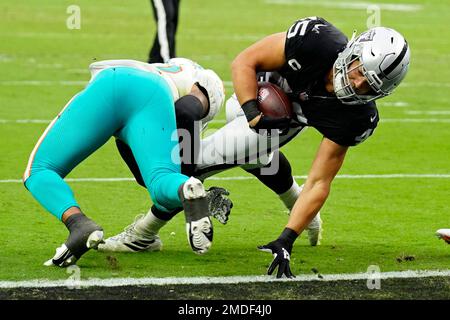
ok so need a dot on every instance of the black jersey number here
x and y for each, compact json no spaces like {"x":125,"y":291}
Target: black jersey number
{"x":364,"y":136}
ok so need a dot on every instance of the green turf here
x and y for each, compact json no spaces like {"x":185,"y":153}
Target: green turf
{"x":366,"y":221}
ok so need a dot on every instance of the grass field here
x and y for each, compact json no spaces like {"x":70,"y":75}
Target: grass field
{"x":368,"y":220}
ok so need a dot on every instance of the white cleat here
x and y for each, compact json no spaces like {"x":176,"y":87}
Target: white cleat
{"x":200,"y":235}
{"x":315,"y":230}
{"x":444,"y":234}
{"x":132,"y":240}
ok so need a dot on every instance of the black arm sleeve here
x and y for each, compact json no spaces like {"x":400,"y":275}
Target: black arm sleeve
{"x":189,"y":112}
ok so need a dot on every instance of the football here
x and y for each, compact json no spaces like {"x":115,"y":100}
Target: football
{"x":273,"y":102}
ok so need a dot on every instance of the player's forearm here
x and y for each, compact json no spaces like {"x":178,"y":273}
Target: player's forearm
{"x":307,"y":205}
{"x":326,"y":165}
{"x":244,"y":79}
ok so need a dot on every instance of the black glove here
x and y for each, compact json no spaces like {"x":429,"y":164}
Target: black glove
{"x":219,"y":204}
{"x":267,"y":122}
{"x":281,"y":250}
{"x":251,"y":111}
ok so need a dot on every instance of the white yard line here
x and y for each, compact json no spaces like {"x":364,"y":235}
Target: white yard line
{"x":350,"y":5}
{"x":428,"y":112}
{"x":238,"y":178}
{"x":396,"y":104}
{"x":42,"y":83}
{"x":226,"y":83}
{"x":426,"y":84}
{"x":118,"y":282}
{"x":387,"y":120}
{"x":25,"y":121}
{"x":416,"y":120}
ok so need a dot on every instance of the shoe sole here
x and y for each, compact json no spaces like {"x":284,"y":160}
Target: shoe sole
{"x":152,"y":248}
{"x":200,"y":241}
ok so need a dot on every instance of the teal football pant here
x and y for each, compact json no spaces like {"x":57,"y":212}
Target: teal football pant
{"x":132,"y":105}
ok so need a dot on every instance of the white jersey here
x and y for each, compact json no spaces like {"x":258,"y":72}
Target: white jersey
{"x":235,"y":144}
{"x":179,"y":76}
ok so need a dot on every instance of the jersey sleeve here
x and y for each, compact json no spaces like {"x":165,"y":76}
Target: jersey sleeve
{"x":179,"y":75}
{"x":310,"y":40}
{"x":351,"y":128}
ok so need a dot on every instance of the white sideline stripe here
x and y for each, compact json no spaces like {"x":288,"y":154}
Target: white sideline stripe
{"x":118,"y":282}
{"x":237,"y":178}
{"x":351,"y":5}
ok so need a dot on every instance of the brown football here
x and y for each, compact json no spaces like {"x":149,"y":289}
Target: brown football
{"x":273,"y":102}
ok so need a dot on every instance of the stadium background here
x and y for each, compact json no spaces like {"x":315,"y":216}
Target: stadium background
{"x":389,"y":198}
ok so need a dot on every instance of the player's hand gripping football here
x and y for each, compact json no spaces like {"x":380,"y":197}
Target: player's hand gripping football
{"x":281,"y":251}
{"x":219,"y":204}
{"x":268,"y":122}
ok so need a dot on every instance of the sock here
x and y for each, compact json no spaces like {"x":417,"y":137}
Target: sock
{"x":150,"y":224}
{"x":74,"y":219}
{"x":289,"y":197}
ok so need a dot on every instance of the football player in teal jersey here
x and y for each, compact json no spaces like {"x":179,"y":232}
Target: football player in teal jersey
{"x":136,"y":105}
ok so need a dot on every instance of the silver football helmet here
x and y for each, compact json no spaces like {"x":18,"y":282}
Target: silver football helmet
{"x":383,"y":56}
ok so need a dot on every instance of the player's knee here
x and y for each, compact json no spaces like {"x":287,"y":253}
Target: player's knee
{"x":161,"y":200}
{"x":32,"y":178}
{"x":162,"y":185}
{"x":38,"y":173}
{"x":188,"y":109}
{"x":30,"y":171}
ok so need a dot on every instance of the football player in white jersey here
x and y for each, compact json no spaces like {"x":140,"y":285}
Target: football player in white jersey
{"x":235,"y":144}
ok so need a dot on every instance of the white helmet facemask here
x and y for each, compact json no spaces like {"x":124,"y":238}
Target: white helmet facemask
{"x":383,"y":56}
